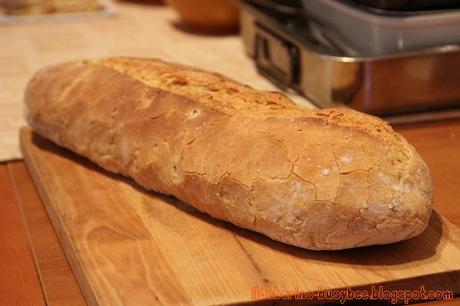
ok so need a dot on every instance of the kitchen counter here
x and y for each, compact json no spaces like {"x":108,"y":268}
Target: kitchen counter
{"x":139,"y":30}
{"x":33,"y":262}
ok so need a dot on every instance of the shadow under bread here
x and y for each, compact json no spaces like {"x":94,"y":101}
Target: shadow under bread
{"x":423,"y":247}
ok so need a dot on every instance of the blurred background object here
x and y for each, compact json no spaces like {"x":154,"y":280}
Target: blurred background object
{"x":409,"y":5}
{"x":19,"y":11}
{"x":209,"y":15}
{"x":372,"y":31}
{"x":41,"y":7}
{"x":401,"y":65}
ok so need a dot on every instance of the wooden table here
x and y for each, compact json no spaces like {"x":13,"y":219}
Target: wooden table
{"x":33,"y":267}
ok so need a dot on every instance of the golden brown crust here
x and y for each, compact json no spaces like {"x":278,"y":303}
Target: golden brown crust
{"x":318,"y":179}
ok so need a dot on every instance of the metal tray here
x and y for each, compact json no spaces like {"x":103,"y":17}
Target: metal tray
{"x":408,"y":5}
{"x":291,"y":55}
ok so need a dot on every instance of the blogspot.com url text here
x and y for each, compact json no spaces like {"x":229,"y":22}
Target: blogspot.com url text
{"x":343,"y":295}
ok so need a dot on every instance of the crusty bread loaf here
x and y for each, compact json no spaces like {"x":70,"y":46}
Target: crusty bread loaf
{"x":317,"y":179}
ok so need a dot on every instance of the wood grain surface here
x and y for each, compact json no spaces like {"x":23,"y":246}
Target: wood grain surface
{"x":130,"y":246}
{"x":19,"y":282}
{"x":57,"y":280}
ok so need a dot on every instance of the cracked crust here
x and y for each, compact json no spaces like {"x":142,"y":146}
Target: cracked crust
{"x":317,"y":179}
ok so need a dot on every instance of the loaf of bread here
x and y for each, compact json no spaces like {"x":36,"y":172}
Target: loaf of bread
{"x":318,"y":179}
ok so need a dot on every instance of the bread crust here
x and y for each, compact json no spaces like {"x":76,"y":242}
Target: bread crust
{"x":317,"y":179}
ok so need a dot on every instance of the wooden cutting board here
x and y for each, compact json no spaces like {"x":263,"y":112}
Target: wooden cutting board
{"x":129,"y":246}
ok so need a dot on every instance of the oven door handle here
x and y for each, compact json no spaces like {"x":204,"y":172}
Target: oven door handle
{"x":276,"y":58}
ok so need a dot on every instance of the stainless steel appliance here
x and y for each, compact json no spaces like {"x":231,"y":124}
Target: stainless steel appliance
{"x":297,"y":51}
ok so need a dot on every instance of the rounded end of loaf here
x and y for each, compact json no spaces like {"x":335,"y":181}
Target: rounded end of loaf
{"x":396,"y":210}
{"x":384,"y":200}
{"x":47,"y":87}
